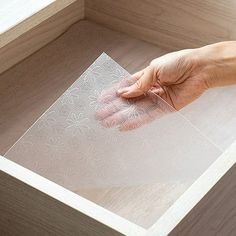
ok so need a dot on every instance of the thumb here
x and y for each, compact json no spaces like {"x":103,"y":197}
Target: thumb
{"x":142,"y":85}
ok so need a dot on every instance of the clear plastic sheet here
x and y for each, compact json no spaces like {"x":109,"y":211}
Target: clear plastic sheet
{"x":78,"y":142}
{"x":214,"y":113}
{"x":91,"y":138}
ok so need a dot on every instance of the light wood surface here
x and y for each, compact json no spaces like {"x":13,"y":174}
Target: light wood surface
{"x":208,"y":206}
{"x":37,"y":37}
{"x":27,"y":16}
{"x":169,"y":24}
{"x":215,"y":214}
{"x":15,"y":11}
{"x":29,"y":88}
{"x":33,"y":205}
{"x":142,"y":204}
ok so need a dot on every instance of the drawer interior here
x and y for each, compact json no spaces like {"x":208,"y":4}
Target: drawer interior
{"x":31,"y":86}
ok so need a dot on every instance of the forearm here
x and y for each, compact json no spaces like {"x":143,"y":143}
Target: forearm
{"x":219,"y":61}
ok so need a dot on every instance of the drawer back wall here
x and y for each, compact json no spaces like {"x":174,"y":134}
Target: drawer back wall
{"x":170,"y":24}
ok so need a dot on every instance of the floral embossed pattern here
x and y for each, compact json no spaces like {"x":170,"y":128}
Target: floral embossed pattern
{"x":78,"y":142}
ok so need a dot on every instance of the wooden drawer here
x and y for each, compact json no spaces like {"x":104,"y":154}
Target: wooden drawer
{"x":33,"y":205}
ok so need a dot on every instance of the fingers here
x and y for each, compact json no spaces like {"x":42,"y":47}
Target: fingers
{"x":109,"y":95}
{"x":121,"y":104}
{"x":145,"y":80}
{"x":135,"y":102}
{"x":137,"y":75}
{"x":111,"y":108}
{"x":128,"y":116}
{"x":115,"y":119}
{"x":132,"y":81}
{"x":152,"y":114}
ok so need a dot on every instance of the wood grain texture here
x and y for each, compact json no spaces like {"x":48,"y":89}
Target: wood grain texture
{"x":27,"y":211}
{"x":216,"y":214}
{"x":40,"y":35}
{"x":29,"y":88}
{"x":42,"y":207}
{"x":142,"y":204}
{"x":30,"y":19}
{"x":169,"y":24}
{"x":15,"y":12}
{"x":208,"y":206}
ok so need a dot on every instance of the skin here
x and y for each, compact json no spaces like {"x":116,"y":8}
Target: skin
{"x":179,"y":78}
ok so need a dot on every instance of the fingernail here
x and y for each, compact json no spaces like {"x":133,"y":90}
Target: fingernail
{"x":120,"y":91}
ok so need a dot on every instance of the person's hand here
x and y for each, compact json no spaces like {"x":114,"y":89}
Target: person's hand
{"x":181,"y":77}
{"x":129,"y":113}
{"x":178,"y":78}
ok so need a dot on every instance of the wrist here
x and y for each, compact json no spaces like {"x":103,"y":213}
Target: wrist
{"x":218,"y":62}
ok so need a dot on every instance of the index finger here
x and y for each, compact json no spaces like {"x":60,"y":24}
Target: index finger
{"x":111,"y":93}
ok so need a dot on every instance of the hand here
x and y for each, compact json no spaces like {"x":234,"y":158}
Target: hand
{"x":129,"y":113}
{"x":175,"y":77}
{"x":178,"y":78}
{"x":181,"y":77}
